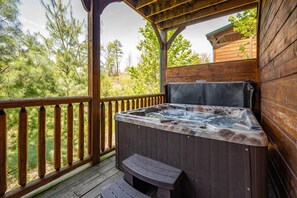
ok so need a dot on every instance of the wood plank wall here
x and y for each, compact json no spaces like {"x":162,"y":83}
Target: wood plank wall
{"x":230,"y":51}
{"x":215,"y":72}
{"x":278,"y":76}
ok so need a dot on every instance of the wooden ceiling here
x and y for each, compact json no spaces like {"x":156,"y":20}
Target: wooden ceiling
{"x":168,"y":14}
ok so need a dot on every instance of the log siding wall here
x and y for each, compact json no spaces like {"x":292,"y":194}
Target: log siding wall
{"x":278,"y":77}
{"x":214,"y":72}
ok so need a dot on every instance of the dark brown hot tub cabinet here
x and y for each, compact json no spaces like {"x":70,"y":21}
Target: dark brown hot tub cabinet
{"x":216,"y":164}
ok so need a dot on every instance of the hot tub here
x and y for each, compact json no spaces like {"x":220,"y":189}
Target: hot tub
{"x":222,"y":150}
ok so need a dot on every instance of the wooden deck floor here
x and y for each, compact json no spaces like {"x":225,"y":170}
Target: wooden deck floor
{"x":87,"y":183}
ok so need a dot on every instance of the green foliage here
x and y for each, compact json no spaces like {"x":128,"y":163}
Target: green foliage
{"x":29,"y":74}
{"x":146,"y":74}
{"x":9,"y":31}
{"x":245,"y":23}
{"x":33,"y":65}
{"x":55,"y":64}
{"x":111,"y":55}
{"x":180,"y":52}
{"x":66,"y":48}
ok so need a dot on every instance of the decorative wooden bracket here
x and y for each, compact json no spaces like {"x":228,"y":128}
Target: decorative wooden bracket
{"x":165,"y":43}
{"x":175,"y":34}
{"x":103,"y":4}
{"x":86,"y":4}
{"x":158,"y":34}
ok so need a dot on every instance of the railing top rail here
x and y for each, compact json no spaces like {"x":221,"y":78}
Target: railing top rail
{"x":31,"y":102}
{"x":110,"y":99}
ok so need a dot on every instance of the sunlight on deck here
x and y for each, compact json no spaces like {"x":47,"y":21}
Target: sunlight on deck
{"x":87,"y":183}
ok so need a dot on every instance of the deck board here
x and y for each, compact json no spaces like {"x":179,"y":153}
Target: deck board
{"x":87,"y":183}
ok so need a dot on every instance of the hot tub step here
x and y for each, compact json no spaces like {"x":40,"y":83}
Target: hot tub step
{"x":163,"y":176}
{"x":121,"y":188}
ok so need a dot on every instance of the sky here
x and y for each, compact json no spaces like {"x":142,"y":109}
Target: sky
{"x":120,"y":22}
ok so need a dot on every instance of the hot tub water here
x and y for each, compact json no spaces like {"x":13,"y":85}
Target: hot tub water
{"x":218,"y":120}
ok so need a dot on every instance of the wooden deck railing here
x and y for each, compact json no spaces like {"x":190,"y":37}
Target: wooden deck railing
{"x":109,"y":106}
{"x":43,"y":105}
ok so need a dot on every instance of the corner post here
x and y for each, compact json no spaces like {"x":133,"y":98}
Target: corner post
{"x":94,"y":9}
{"x":94,"y":77}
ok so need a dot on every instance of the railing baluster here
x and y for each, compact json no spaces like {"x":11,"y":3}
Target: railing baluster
{"x":3,"y":151}
{"x":109,"y":124}
{"x":141,"y":102}
{"x":116,"y":106}
{"x":137,"y":103}
{"x":157,"y":100}
{"x":102,"y":134}
{"x":41,"y":142}
{"x":89,"y":128}
{"x":128,"y":105}
{"x":133,"y":104}
{"x":70,"y":134}
{"x":123,"y":105}
{"x":57,"y":138}
{"x":81,"y":132}
{"x":22,"y":147}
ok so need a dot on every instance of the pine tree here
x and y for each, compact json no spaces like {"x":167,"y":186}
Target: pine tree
{"x":66,"y":47}
{"x":9,"y":32}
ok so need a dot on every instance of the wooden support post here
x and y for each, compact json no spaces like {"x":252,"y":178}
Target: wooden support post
{"x":164,"y":47}
{"x":94,"y":76}
{"x":163,"y":59}
{"x":3,"y":152}
{"x":94,"y":9}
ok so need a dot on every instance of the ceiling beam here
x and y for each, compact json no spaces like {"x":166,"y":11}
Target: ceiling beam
{"x":222,"y":9}
{"x":143,"y":3}
{"x":163,"y":6}
{"x":186,"y":9}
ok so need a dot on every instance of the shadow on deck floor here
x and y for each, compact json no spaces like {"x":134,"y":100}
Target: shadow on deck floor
{"x":89,"y":183}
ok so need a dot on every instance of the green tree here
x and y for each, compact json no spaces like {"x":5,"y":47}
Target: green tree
{"x":9,"y":32}
{"x":117,"y":53}
{"x":245,"y":23}
{"x":29,"y":74}
{"x":112,"y":55}
{"x":107,"y":59}
{"x":146,"y":74}
{"x":66,"y":47}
